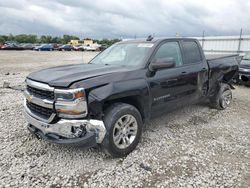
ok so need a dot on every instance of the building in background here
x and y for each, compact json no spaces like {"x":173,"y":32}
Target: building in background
{"x":74,"y":42}
{"x":85,"y":42}
{"x":88,"y":42}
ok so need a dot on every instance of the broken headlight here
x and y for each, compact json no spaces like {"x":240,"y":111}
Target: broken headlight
{"x":71,"y":103}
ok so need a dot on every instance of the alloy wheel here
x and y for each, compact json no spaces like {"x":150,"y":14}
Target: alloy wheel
{"x":226,"y":98}
{"x":125,"y":131}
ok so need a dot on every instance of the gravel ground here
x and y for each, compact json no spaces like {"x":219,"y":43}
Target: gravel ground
{"x":192,"y":147}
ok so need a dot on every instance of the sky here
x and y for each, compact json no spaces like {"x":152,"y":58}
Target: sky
{"x":125,"y":18}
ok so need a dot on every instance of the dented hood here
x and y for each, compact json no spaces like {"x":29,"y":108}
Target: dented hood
{"x":64,"y":76}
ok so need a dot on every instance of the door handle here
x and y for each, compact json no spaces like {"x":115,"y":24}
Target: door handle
{"x":167,"y":83}
{"x":172,"y":80}
{"x":184,"y":72}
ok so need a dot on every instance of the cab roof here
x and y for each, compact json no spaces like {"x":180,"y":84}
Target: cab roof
{"x":154,"y":40}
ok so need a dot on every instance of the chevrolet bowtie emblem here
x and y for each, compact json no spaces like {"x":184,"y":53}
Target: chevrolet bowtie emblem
{"x":29,"y":98}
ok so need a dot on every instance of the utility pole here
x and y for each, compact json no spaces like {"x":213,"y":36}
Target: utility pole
{"x":82,"y":50}
{"x":240,"y":39}
{"x":203,"y":39}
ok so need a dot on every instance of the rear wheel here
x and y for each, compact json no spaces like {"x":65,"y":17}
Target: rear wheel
{"x":223,"y":98}
{"x":123,"y":123}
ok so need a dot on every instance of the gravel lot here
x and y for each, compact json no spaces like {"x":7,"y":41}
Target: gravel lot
{"x":192,"y":147}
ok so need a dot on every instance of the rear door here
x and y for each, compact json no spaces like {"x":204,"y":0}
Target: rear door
{"x":183,"y":84}
{"x":195,"y":70}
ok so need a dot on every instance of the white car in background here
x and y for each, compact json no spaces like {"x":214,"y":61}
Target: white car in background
{"x":91,"y":48}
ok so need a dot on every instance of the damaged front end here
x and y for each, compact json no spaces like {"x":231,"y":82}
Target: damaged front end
{"x":60,"y":116}
{"x":82,"y":133}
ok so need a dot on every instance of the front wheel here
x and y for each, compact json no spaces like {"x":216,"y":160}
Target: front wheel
{"x":123,"y":123}
{"x":223,"y":98}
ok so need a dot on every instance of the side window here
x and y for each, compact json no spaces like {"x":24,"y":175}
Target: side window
{"x":191,"y":52}
{"x":170,"y":50}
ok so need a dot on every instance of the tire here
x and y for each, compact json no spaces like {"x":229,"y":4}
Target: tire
{"x":223,"y":98}
{"x":115,"y":120}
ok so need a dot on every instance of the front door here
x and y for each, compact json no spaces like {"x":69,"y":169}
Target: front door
{"x":167,"y":86}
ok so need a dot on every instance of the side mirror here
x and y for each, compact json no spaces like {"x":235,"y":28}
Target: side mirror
{"x":161,"y":63}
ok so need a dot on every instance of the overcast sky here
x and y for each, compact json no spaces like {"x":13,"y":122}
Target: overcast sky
{"x":124,"y":18}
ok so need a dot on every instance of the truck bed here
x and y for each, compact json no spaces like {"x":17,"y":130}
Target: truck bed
{"x":219,"y":56}
{"x":222,"y":68}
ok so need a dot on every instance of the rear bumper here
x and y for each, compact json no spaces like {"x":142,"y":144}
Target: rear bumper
{"x":244,"y":77}
{"x":63,"y":132}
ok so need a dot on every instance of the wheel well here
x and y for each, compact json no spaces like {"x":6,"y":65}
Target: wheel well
{"x":229,"y":76}
{"x":132,"y":100}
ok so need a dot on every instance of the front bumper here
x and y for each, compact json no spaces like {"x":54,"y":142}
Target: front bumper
{"x":88,"y":141}
{"x":62,"y":132}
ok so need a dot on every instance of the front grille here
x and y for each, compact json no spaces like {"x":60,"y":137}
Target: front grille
{"x":39,"y":110}
{"x":40,"y":93}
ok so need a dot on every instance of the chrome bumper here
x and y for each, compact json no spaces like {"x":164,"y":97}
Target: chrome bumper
{"x":64,"y":127}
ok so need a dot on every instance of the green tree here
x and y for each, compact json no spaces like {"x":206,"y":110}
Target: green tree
{"x":107,"y":41}
{"x":67,"y":38}
{"x":26,"y":38}
{"x":45,"y":39}
{"x":57,"y":40}
{"x":23,"y":38}
{"x":3,"y":38}
{"x":11,"y":37}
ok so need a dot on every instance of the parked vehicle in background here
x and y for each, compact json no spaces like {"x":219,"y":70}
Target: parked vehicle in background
{"x":91,"y":48}
{"x":27,"y":46}
{"x":103,"y":47}
{"x":244,"y":70}
{"x":78,"y":48}
{"x":44,"y":47}
{"x":66,"y":47}
{"x":107,"y":101}
{"x":56,"y":46}
{"x":1,"y":44}
{"x":86,"y":48}
{"x":11,"y":46}
{"x":11,"y":42}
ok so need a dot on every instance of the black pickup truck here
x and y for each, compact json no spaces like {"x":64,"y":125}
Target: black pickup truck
{"x":107,"y":101}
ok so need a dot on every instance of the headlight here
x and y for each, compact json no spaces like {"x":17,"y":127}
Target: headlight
{"x":71,"y":103}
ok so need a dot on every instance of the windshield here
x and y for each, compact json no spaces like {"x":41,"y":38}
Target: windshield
{"x":131,"y":54}
{"x":247,"y":56}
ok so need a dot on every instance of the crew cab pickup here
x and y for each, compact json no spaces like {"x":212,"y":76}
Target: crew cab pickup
{"x":107,"y":101}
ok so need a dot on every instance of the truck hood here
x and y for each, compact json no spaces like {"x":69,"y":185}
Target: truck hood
{"x":64,"y":76}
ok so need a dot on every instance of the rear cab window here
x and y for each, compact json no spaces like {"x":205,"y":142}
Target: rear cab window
{"x":191,"y":52}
